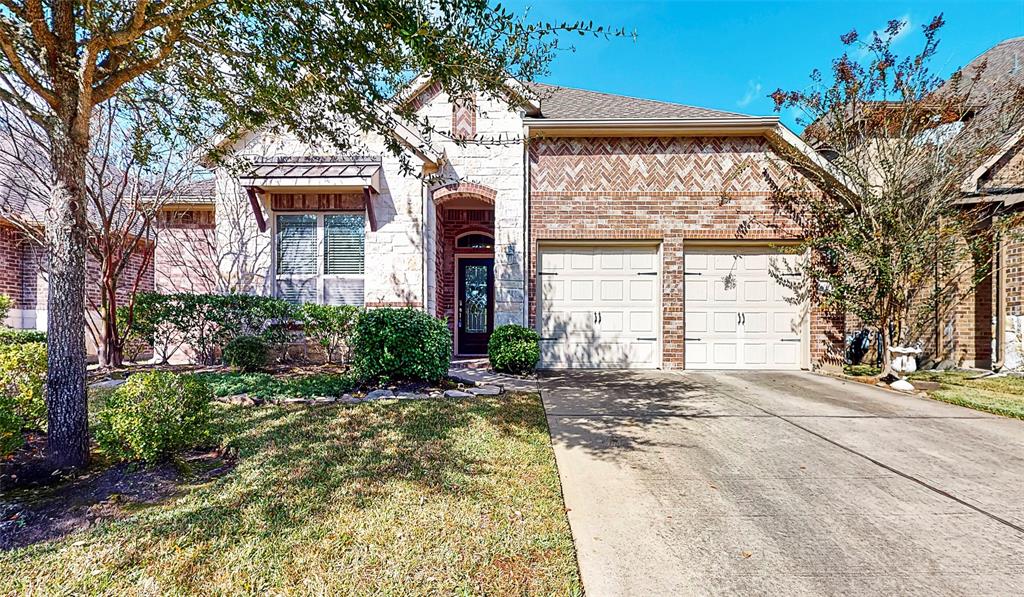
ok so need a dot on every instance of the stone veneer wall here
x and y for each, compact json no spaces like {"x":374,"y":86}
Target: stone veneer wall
{"x":670,"y":189}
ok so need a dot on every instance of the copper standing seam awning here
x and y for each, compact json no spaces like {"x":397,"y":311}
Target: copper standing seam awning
{"x":313,"y":175}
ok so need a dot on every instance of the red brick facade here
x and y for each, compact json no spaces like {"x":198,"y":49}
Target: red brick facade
{"x":669,"y":189}
{"x":186,"y":251}
{"x":12,"y":260}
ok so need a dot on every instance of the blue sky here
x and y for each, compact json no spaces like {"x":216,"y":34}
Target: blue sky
{"x":730,"y":54}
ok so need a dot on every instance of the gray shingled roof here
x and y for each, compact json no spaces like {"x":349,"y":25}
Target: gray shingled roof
{"x":1003,"y":71}
{"x":567,"y":103}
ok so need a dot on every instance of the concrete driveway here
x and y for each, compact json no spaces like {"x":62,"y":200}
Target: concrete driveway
{"x":759,"y":483}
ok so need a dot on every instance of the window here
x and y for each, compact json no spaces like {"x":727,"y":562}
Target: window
{"x":296,"y":244}
{"x":343,"y":244}
{"x":475,"y":241}
{"x":319,"y":257}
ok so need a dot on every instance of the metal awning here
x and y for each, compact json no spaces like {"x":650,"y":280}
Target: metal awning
{"x":312,"y":175}
{"x":298,"y":174}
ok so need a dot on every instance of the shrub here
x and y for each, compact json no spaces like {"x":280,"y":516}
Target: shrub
{"x":8,"y":336}
{"x":6,"y":304}
{"x":22,"y":381}
{"x":10,"y":429}
{"x":246,"y":353}
{"x":514,"y":349}
{"x":330,"y":326}
{"x":401,"y":344}
{"x":154,"y":415}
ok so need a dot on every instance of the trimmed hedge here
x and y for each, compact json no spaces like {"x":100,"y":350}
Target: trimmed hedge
{"x":514,"y":349}
{"x":8,"y":336}
{"x":401,"y":344}
{"x":153,"y":415}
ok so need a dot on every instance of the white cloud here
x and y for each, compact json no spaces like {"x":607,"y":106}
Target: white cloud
{"x":753,"y":92}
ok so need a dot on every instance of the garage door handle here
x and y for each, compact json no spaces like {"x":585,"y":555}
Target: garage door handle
{"x":692,"y":274}
{"x":547,"y":273}
{"x":791,"y":339}
{"x":692,"y":339}
{"x":647,"y":273}
{"x":646,"y":339}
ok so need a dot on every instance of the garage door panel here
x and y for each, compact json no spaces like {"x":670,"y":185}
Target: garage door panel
{"x":642,"y":291}
{"x":613,"y":290}
{"x":603,"y":312}
{"x":725,"y":322}
{"x":696,"y":291}
{"x":736,"y":312}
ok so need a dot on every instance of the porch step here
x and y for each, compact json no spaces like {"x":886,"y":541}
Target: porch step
{"x":471,"y":363}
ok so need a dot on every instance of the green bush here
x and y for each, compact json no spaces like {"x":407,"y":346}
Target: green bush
{"x":8,"y":336}
{"x":514,"y":349}
{"x":330,"y":326}
{"x":6,"y":304}
{"x":22,"y":381}
{"x":246,"y":353}
{"x":10,"y":429}
{"x":153,"y":415}
{"x":401,"y":344}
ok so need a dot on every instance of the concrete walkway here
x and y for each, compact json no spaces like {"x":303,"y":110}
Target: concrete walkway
{"x":783,"y":484}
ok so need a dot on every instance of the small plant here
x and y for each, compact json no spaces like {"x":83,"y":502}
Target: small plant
{"x":8,"y":336}
{"x":153,"y":415}
{"x":514,"y":349}
{"x":246,"y":353}
{"x":331,"y":327}
{"x":22,"y":380}
{"x":10,"y":428}
{"x":6,"y":304}
{"x":401,"y":344}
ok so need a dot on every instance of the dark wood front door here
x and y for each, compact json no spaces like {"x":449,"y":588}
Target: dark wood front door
{"x":476,"y":305}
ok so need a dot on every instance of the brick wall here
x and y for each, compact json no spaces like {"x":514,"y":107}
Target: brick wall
{"x":451,"y":223}
{"x":12,"y":256}
{"x":186,"y":252}
{"x":670,"y":189}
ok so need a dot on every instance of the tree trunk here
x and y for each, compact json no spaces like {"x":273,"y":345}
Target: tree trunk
{"x":111,"y":349}
{"x":886,"y":355}
{"x":67,"y":426}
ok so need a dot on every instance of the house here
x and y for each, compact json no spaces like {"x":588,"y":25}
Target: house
{"x":987,"y":330}
{"x":628,"y":232}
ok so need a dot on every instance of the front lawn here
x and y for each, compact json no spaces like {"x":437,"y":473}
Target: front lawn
{"x":410,"y":497}
{"x":266,"y":386}
{"x":998,"y":395}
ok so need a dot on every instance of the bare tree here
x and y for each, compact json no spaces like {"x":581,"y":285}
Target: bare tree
{"x":893,"y":240}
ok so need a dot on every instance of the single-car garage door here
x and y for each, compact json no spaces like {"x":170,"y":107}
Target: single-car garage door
{"x":737,"y":312}
{"x":598,"y":306}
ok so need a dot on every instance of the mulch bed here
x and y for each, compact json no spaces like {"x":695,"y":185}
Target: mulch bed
{"x":33,"y":512}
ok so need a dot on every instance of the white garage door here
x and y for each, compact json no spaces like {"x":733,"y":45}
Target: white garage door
{"x":598,"y":306}
{"x":737,"y":313}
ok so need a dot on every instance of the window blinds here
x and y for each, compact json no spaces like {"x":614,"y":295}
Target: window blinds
{"x":296,"y":244}
{"x":343,"y":244}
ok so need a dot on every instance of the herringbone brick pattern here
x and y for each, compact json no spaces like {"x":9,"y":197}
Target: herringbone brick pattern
{"x":667,"y":189}
{"x":464,"y":118}
{"x":650,"y":164}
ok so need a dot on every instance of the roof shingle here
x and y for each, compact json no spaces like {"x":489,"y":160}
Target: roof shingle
{"x":567,"y":103}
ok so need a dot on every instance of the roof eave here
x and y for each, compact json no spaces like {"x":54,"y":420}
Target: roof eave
{"x":716,"y":125}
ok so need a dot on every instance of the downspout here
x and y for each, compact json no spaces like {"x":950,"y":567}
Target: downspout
{"x":1000,"y":290}
{"x":527,"y":249}
{"x":424,"y":227}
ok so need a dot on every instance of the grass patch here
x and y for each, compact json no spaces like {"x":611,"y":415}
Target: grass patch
{"x":412,"y":497}
{"x":267,"y":386}
{"x":862,"y":370}
{"x":998,"y":395}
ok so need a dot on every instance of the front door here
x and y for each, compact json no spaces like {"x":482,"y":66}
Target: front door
{"x":476,"y":305}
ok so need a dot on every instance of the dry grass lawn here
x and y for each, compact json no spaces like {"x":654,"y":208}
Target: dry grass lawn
{"x":417,"y":497}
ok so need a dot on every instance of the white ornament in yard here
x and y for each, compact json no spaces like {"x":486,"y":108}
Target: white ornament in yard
{"x":904,"y":362}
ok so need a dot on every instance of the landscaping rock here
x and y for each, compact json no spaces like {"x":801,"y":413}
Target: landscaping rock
{"x":349,"y":399}
{"x":240,"y":399}
{"x":457,"y":394}
{"x":379,"y":395}
{"x":411,"y":396}
{"x":107,"y":383}
{"x":485,"y":390}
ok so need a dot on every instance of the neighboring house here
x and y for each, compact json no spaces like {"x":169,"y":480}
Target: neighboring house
{"x":628,"y":232}
{"x":986,"y":330}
